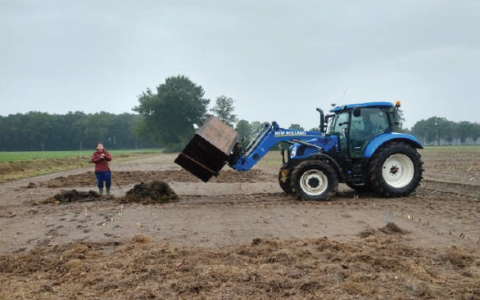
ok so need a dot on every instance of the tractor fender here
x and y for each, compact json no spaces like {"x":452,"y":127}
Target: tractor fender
{"x":332,"y":162}
{"x":386,"y":137}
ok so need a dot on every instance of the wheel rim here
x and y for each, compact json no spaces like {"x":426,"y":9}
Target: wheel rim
{"x":398,"y":170}
{"x":313,"y":182}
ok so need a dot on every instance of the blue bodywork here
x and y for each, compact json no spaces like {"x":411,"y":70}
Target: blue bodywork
{"x":383,"y":138}
{"x":269,"y":137}
{"x":311,"y":142}
{"x":326,"y":143}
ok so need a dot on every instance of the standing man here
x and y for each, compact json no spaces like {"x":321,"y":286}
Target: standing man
{"x":100,"y":158}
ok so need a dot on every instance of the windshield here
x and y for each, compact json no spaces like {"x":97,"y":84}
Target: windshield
{"x":338,"y":123}
{"x":329,"y":120}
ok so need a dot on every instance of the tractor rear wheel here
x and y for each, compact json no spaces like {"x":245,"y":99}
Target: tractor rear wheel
{"x":285,"y":181}
{"x":314,"y":180}
{"x":395,"y":170}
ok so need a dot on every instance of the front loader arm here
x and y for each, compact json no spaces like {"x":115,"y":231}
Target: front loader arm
{"x":268,"y":137}
{"x":215,"y":144}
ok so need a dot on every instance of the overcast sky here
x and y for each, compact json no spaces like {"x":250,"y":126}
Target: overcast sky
{"x":278,"y":59}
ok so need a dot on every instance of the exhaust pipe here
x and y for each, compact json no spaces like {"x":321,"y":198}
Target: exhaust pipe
{"x":322,"y":120}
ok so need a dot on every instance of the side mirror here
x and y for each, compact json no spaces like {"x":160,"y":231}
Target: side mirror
{"x":357,"y":112}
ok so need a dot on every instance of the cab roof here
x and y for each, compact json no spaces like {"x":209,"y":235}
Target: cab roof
{"x":365,"y":104}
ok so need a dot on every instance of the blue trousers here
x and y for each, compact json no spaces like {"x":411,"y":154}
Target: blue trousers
{"x":103,"y":177}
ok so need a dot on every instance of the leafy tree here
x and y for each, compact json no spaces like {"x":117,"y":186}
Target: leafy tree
{"x":245,"y":131}
{"x":141,"y":129}
{"x":124,"y":130}
{"x":224,"y":109}
{"x":97,"y":128}
{"x":420,"y":130}
{"x":296,"y":127}
{"x":171,"y":112}
{"x":465,"y":130}
{"x":69,"y":134}
{"x":475,"y":132}
{"x":447,"y":131}
{"x":12,"y":133}
{"x":243,"y":128}
{"x":256,"y":127}
{"x":438,"y":129}
{"x":39,"y":126}
{"x":428,"y":131}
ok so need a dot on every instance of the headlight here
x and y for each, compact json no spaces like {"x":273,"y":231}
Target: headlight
{"x":293,"y":152}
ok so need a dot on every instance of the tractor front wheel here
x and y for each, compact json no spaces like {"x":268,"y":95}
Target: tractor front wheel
{"x":395,"y":170}
{"x":314,"y":180}
{"x":285,"y":181}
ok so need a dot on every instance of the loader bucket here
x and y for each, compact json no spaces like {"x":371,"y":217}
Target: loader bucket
{"x":209,"y":149}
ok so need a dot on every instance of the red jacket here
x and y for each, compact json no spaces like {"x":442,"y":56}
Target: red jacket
{"x":101,"y":165}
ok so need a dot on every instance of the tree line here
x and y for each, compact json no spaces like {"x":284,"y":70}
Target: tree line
{"x":167,"y":117}
{"x":440,"y":131}
{"x":39,"y":131}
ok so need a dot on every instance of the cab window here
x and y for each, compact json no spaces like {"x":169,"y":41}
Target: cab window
{"x":370,"y":123}
{"x":339,"y":124}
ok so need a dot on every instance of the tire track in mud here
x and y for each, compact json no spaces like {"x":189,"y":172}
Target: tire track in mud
{"x":238,"y":199}
{"x":257,"y":199}
{"x":449,"y":190}
{"x":429,"y":190}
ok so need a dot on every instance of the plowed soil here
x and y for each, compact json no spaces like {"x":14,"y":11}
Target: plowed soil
{"x":238,"y":236}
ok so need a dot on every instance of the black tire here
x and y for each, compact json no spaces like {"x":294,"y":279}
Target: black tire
{"x":314,"y":180}
{"x":360,"y":188}
{"x":395,"y":170}
{"x":285,"y":183}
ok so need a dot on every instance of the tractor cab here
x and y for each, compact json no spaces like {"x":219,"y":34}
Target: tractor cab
{"x":357,"y":125}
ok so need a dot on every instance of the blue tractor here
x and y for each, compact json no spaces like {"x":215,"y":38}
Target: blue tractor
{"x":357,"y":144}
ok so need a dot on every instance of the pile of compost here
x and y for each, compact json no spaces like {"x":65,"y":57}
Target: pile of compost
{"x":392,"y":228}
{"x":71,"y":196}
{"x":153,"y":192}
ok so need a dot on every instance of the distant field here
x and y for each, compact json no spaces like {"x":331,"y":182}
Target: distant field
{"x":453,"y":149}
{"x":24,"y":164}
{"x":31,"y":155}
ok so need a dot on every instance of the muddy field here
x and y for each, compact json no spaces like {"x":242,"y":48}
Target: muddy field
{"x":238,"y":236}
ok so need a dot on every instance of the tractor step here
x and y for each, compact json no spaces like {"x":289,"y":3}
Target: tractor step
{"x":357,"y":174}
{"x":209,"y":149}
